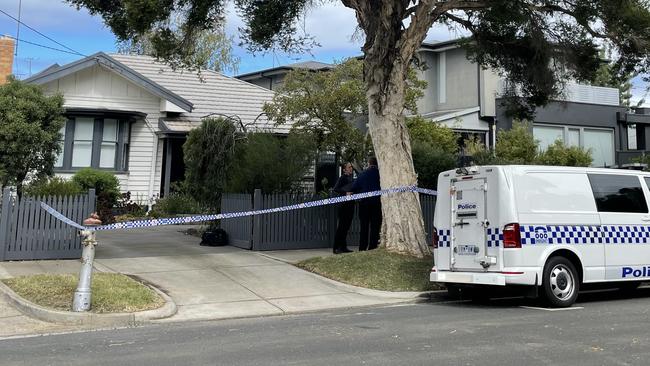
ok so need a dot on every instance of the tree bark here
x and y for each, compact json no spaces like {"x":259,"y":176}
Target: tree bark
{"x":403,"y":228}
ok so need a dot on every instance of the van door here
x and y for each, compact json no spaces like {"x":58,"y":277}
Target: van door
{"x":468,"y":223}
{"x":624,"y":216}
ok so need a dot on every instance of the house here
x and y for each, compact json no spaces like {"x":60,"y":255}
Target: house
{"x":466,"y":97}
{"x":274,"y":77}
{"x":130,"y":115}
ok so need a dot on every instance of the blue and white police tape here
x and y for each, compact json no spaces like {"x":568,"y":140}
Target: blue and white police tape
{"x":230,"y":215}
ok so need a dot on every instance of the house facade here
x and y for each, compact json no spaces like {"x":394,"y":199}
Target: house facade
{"x":466,"y":97}
{"x":130,"y":115}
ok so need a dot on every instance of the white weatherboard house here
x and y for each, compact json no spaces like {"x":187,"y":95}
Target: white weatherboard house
{"x":130,"y":115}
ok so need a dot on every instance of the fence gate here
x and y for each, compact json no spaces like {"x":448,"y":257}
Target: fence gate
{"x":29,"y":232}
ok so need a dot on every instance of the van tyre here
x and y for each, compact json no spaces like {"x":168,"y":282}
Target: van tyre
{"x":560,"y":284}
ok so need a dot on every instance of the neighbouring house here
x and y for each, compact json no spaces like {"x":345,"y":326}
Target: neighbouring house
{"x":273,"y":78}
{"x":466,"y":97}
{"x":130,"y":115}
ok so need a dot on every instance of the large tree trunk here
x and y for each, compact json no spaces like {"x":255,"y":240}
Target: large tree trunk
{"x":402,"y":228}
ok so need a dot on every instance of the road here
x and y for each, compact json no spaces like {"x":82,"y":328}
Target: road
{"x":602,"y":329}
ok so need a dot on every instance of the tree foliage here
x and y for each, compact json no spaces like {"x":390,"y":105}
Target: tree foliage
{"x":29,"y":132}
{"x":107,"y":189}
{"x":331,"y":105}
{"x":271,"y":163}
{"x":208,"y":154}
{"x":212,"y":49}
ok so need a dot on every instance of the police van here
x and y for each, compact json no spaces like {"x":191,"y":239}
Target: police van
{"x":551,"y":228}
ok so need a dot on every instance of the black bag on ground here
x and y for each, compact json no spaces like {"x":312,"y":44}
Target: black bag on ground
{"x":214,"y":238}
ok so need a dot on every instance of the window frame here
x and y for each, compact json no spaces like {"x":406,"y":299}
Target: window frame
{"x":124,"y":129}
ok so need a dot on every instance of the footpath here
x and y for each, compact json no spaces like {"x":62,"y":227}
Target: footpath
{"x":206,"y":283}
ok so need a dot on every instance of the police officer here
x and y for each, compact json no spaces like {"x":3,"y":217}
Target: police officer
{"x":345,"y":210}
{"x":369,"y":208}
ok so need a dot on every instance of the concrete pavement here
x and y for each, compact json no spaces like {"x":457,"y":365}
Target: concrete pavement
{"x":209,"y":282}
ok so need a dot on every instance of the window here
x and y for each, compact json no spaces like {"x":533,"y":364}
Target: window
{"x":618,"y":193}
{"x":547,"y":135}
{"x":95,"y":142}
{"x":631,"y":136}
{"x":600,"y":141}
{"x":59,"y":159}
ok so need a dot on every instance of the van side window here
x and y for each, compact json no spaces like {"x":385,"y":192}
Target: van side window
{"x":618,"y":193}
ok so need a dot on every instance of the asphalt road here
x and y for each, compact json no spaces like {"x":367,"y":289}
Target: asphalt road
{"x":602,"y":329}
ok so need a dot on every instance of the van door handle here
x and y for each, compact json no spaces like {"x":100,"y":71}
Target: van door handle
{"x":645,"y":218}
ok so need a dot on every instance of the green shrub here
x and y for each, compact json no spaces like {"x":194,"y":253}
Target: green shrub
{"x":561,"y":155}
{"x":207,"y":154}
{"x":54,"y":186}
{"x":177,"y":204}
{"x":517,"y":145}
{"x":432,"y":133}
{"x":429,"y":161}
{"x":271,"y":163}
{"x":106,"y":186}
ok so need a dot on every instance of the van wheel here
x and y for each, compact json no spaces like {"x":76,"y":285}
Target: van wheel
{"x":560,"y":282}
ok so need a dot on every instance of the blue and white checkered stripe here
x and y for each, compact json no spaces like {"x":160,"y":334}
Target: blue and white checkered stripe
{"x":625,"y":234}
{"x":494,"y":237}
{"x":444,"y":238}
{"x":200,"y":218}
{"x":559,"y":234}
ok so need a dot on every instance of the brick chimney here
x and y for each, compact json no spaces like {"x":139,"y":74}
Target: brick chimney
{"x":6,"y":58}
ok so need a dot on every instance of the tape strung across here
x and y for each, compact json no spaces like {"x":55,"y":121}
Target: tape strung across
{"x":199,"y":218}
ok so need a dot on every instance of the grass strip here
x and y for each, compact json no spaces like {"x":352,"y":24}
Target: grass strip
{"x":111,"y":292}
{"x":376,"y":269}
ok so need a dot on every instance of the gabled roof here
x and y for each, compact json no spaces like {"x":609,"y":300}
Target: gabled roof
{"x":210,"y":92}
{"x":306,"y":65}
{"x":53,"y":73}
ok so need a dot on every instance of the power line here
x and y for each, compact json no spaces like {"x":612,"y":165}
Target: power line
{"x":40,"y":45}
{"x":60,"y":44}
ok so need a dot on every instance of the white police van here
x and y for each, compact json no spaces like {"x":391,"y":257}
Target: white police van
{"x":551,"y":227}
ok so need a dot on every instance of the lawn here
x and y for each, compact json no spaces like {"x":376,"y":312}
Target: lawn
{"x":111,"y":292}
{"x":375,"y":269}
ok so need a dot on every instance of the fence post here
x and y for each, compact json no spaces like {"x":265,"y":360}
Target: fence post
{"x":92,"y":201}
{"x":257,"y":220}
{"x":4,"y":221}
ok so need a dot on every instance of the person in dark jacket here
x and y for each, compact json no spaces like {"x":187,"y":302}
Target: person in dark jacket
{"x":345,"y":210}
{"x":369,"y":208}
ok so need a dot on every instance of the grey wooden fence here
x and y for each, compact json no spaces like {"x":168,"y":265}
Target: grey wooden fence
{"x":298,"y":229}
{"x":29,"y":232}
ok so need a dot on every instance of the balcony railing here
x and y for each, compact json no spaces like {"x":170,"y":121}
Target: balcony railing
{"x":581,"y":93}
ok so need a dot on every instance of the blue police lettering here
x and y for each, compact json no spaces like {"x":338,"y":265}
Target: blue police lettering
{"x":635,"y":272}
{"x":467,"y":206}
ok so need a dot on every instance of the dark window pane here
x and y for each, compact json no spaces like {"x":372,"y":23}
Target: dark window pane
{"x":618,"y":193}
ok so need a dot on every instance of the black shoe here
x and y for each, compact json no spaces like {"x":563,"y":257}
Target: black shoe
{"x":346,"y":250}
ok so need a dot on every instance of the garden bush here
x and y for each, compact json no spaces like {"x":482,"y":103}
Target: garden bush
{"x":107,"y":189}
{"x":177,"y":204}
{"x":54,"y":186}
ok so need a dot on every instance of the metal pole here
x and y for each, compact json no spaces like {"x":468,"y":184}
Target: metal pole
{"x":82,"y":295}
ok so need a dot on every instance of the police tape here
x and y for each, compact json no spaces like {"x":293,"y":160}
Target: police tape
{"x":231,"y":215}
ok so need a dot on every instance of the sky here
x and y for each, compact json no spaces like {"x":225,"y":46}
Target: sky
{"x":331,"y":24}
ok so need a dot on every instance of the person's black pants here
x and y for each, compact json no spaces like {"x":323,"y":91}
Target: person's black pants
{"x":345,"y":215}
{"x":370,"y":220}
